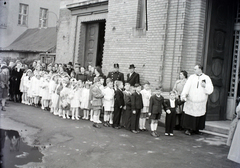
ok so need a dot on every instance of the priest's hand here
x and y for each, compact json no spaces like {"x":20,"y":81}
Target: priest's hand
{"x":168,"y":111}
{"x":203,"y":83}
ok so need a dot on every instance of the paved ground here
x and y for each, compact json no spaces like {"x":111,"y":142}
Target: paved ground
{"x":76,"y":144}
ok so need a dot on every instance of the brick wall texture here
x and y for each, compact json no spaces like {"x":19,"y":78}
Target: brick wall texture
{"x":174,"y":40}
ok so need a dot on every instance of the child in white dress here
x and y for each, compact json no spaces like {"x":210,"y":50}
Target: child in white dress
{"x":146,"y":94}
{"x":54,"y":97}
{"x":29,"y":90}
{"x":64,"y":98}
{"x":75,"y":96}
{"x":108,"y":103}
{"x":35,"y":88}
{"x":85,"y":100}
{"x":45,"y":92}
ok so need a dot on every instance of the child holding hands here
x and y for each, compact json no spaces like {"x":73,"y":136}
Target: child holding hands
{"x":170,"y":120}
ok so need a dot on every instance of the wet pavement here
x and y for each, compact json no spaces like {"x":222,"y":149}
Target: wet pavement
{"x":76,"y":144}
{"x":15,"y":152}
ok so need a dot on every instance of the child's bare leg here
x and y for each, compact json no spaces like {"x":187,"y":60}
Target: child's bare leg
{"x":67,"y":114}
{"x":63,"y":114}
{"x":73,"y":111}
{"x":87,"y":114}
{"x":77,"y":113}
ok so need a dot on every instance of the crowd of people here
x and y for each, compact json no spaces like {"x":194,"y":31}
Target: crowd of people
{"x":73,"y":92}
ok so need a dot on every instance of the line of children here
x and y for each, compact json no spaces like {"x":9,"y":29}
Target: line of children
{"x":65,"y":96}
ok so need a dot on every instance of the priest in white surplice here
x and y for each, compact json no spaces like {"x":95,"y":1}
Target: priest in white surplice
{"x":195,"y":93}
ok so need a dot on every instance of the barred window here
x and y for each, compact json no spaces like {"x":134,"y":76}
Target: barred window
{"x":43,"y":17}
{"x":23,"y":14}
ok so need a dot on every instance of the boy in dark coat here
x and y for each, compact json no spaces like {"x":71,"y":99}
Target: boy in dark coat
{"x":156,"y":105}
{"x":170,"y":120}
{"x":126,"y":116}
{"x":136,"y":105}
{"x":118,"y":104}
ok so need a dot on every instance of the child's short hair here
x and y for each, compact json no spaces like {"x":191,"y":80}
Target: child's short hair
{"x":118,"y":83}
{"x":127,"y":83}
{"x":96,"y":79}
{"x":172,"y":92}
{"x":146,"y":83}
{"x":158,"y":88}
{"x":108,"y":80}
{"x":137,"y":85}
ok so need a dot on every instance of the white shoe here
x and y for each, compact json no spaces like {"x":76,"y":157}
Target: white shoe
{"x":99,"y":122}
{"x":64,"y":117}
{"x":77,"y":118}
{"x":73,"y":118}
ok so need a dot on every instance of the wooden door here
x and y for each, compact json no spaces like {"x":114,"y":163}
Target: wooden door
{"x":218,"y":60}
{"x":91,"y":44}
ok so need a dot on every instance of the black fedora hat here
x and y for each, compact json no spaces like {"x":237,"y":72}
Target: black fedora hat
{"x":131,"y":66}
{"x":116,"y":65}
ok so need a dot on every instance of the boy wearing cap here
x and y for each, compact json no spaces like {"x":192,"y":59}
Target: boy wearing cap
{"x":132,"y":77}
{"x":136,"y":105}
{"x":116,"y":75}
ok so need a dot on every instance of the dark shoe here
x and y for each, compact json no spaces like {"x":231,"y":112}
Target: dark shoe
{"x":156,"y":133}
{"x":3,"y":108}
{"x":135,"y":132}
{"x":144,"y":129}
{"x":187,"y":132}
{"x":140,"y":129}
{"x":153,"y":134}
{"x":105,"y":124}
{"x":198,"y":132}
{"x":96,"y":125}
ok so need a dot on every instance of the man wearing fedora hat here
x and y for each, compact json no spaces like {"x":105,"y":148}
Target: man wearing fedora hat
{"x":132,"y":77}
{"x":116,"y":75}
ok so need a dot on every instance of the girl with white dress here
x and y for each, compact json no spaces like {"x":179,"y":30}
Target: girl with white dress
{"x":29,"y":90}
{"x":85,"y":100}
{"x":45,"y":92}
{"x":64,"y":98}
{"x":35,"y":88}
{"x":75,"y":97}
{"x":108,"y":103}
{"x":54,"y":97}
{"x":146,"y":94}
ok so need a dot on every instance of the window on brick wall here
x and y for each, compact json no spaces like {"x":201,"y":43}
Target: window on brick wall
{"x":43,"y":17}
{"x":23,"y":14}
{"x":142,"y":15}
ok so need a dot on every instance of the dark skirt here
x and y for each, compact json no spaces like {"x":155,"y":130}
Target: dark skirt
{"x":193,"y":123}
{"x":3,"y":93}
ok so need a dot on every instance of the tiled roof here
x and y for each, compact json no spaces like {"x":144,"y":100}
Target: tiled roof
{"x":35,"y":40}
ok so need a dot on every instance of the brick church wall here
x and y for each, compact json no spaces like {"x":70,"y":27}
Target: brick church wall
{"x":174,"y":40}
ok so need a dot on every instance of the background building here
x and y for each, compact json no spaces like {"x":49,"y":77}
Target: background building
{"x":18,"y":16}
{"x":161,"y":37}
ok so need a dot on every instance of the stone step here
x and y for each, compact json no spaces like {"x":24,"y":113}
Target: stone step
{"x":220,"y":128}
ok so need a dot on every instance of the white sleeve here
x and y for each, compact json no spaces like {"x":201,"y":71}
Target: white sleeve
{"x":209,"y":86}
{"x":186,"y":88}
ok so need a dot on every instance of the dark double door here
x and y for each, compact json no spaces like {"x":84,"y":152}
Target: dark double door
{"x":95,"y":33}
{"x":219,"y":39}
